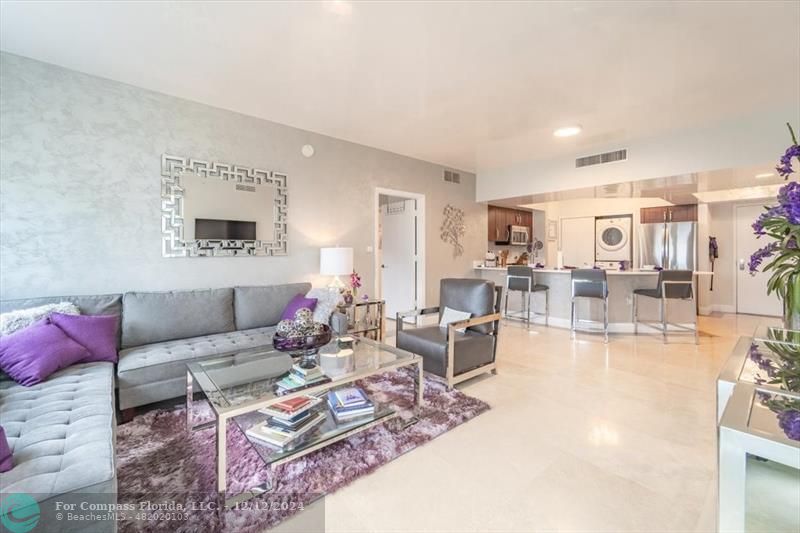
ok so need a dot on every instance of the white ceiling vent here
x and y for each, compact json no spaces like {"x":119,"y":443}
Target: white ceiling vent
{"x":452,"y":177}
{"x":598,"y":159}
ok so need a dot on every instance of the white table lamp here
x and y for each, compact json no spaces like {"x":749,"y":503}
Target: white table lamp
{"x":336,"y":262}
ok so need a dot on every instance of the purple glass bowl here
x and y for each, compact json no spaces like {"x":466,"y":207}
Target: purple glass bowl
{"x":305,"y":344}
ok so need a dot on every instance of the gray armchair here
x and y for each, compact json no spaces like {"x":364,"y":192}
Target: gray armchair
{"x":448,"y":353}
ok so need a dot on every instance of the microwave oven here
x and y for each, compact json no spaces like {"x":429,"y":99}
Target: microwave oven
{"x":518,"y":235}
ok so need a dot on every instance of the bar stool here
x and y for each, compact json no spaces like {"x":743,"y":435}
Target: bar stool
{"x":672,"y":285}
{"x":589,"y":283}
{"x":521,"y":279}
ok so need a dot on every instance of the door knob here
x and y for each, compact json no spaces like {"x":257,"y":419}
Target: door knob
{"x":741,"y":264}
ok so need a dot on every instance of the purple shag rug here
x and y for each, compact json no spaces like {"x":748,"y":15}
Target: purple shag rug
{"x":158,"y":462}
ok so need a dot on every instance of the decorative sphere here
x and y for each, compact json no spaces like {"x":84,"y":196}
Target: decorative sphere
{"x":303,"y":312}
{"x":285,"y":326}
{"x":295,"y":332}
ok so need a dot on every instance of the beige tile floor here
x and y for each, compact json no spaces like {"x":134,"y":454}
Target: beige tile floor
{"x":581,"y":436}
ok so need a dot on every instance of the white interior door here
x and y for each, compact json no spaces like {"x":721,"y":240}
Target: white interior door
{"x":751,"y":291}
{"x":577,"y":241}
{"x":398,"y":256}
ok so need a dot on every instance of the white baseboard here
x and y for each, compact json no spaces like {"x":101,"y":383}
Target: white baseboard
{"x":722,"y":308}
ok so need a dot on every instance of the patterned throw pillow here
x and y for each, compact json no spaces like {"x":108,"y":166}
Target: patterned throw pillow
{"x":327,"y":300}
{"x":22,"y":318}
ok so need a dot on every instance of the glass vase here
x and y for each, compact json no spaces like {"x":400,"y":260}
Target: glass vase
{"x":791,"y":305}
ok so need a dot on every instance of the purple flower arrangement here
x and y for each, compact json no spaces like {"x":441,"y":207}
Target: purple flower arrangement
{"x":355,"y":280}
{"x":763,"y":363}
{"x":781,"y":256}
{"x":789,"y":422}
{"x":793,"y":152}
{"x":779,"y":368}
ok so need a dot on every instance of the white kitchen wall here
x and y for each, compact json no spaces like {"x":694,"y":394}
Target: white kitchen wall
{"x":80,"y":189}
{"x":595,"y":207}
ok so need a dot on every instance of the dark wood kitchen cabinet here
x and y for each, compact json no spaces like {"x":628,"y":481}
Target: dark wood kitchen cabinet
{"x":500,"y":218}
{"x":670,"y":213}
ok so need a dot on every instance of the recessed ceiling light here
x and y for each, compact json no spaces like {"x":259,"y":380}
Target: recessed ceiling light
{"x":340,"y":7}
{"x":765,"y":175}
{"x":567,"y":131}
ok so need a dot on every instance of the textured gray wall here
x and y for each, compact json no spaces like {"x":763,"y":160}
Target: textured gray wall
{"x":79,"y":189}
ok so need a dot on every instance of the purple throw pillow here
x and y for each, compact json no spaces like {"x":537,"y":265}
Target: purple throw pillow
{"x":298,"y":302}
{"x":30,"y":355}
{"x":97,"y":333}
{"x":5,"y":452}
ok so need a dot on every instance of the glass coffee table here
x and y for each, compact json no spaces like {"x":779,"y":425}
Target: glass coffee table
{"x":238,"y":384}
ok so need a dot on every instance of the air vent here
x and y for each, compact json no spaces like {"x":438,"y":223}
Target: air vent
{"x":608,"y":157}
{"x":452,"y":177}
{"x":246,"y":188}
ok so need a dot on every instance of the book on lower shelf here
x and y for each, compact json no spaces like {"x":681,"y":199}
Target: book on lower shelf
{"x":282,"y":437}
{"x":300,"y":378}
{"x":292,"y":409}
{"x":349,"y":403}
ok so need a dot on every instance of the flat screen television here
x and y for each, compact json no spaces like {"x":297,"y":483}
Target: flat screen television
{"x":236,"y":230}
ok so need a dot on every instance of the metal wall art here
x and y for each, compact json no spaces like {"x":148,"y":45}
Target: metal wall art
{"x":453,"y":228}
{"x":241,"y":179}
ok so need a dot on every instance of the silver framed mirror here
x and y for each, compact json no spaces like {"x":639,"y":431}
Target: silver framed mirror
{"x":211,"y":209}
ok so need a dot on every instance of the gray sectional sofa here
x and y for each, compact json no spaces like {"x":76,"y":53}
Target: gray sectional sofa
{"x":62,"y":431}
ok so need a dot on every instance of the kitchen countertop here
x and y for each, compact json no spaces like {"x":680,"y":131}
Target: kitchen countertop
{"x":609,"y":272}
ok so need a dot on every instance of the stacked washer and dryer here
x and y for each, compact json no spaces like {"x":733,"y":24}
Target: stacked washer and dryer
{"x":613,"y":241}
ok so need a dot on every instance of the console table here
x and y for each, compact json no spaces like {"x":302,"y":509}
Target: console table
{"x":748,"y":407}
{"x":365,"y":318}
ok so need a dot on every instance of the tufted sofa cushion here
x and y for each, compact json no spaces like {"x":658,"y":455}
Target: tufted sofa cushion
{"x":156,"y":372}
{"x":150,"y":317}
{"x":61,"y":432}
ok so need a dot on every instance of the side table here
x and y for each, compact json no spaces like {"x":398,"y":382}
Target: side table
{"x":365,"y":318}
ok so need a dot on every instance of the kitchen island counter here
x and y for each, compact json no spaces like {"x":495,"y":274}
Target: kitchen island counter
{"x":621,"y":285}
{"x":568,"y":270}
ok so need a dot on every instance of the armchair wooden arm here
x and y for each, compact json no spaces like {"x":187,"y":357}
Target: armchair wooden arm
{"x":451,"y":338}
{"x":468,"y":323}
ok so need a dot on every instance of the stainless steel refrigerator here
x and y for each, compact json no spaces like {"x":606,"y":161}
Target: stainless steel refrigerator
{"x":669,"y":245}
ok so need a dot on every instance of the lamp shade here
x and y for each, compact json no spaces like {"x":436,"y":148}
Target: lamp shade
{"x":335,"y":261}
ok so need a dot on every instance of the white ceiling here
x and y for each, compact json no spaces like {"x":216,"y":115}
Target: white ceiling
{"x":440,"y":81}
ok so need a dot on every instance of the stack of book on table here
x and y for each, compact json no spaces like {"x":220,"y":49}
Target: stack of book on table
{"x":349,"y":403}
{"x":288,"y":421}
{"x":299,"y":378}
